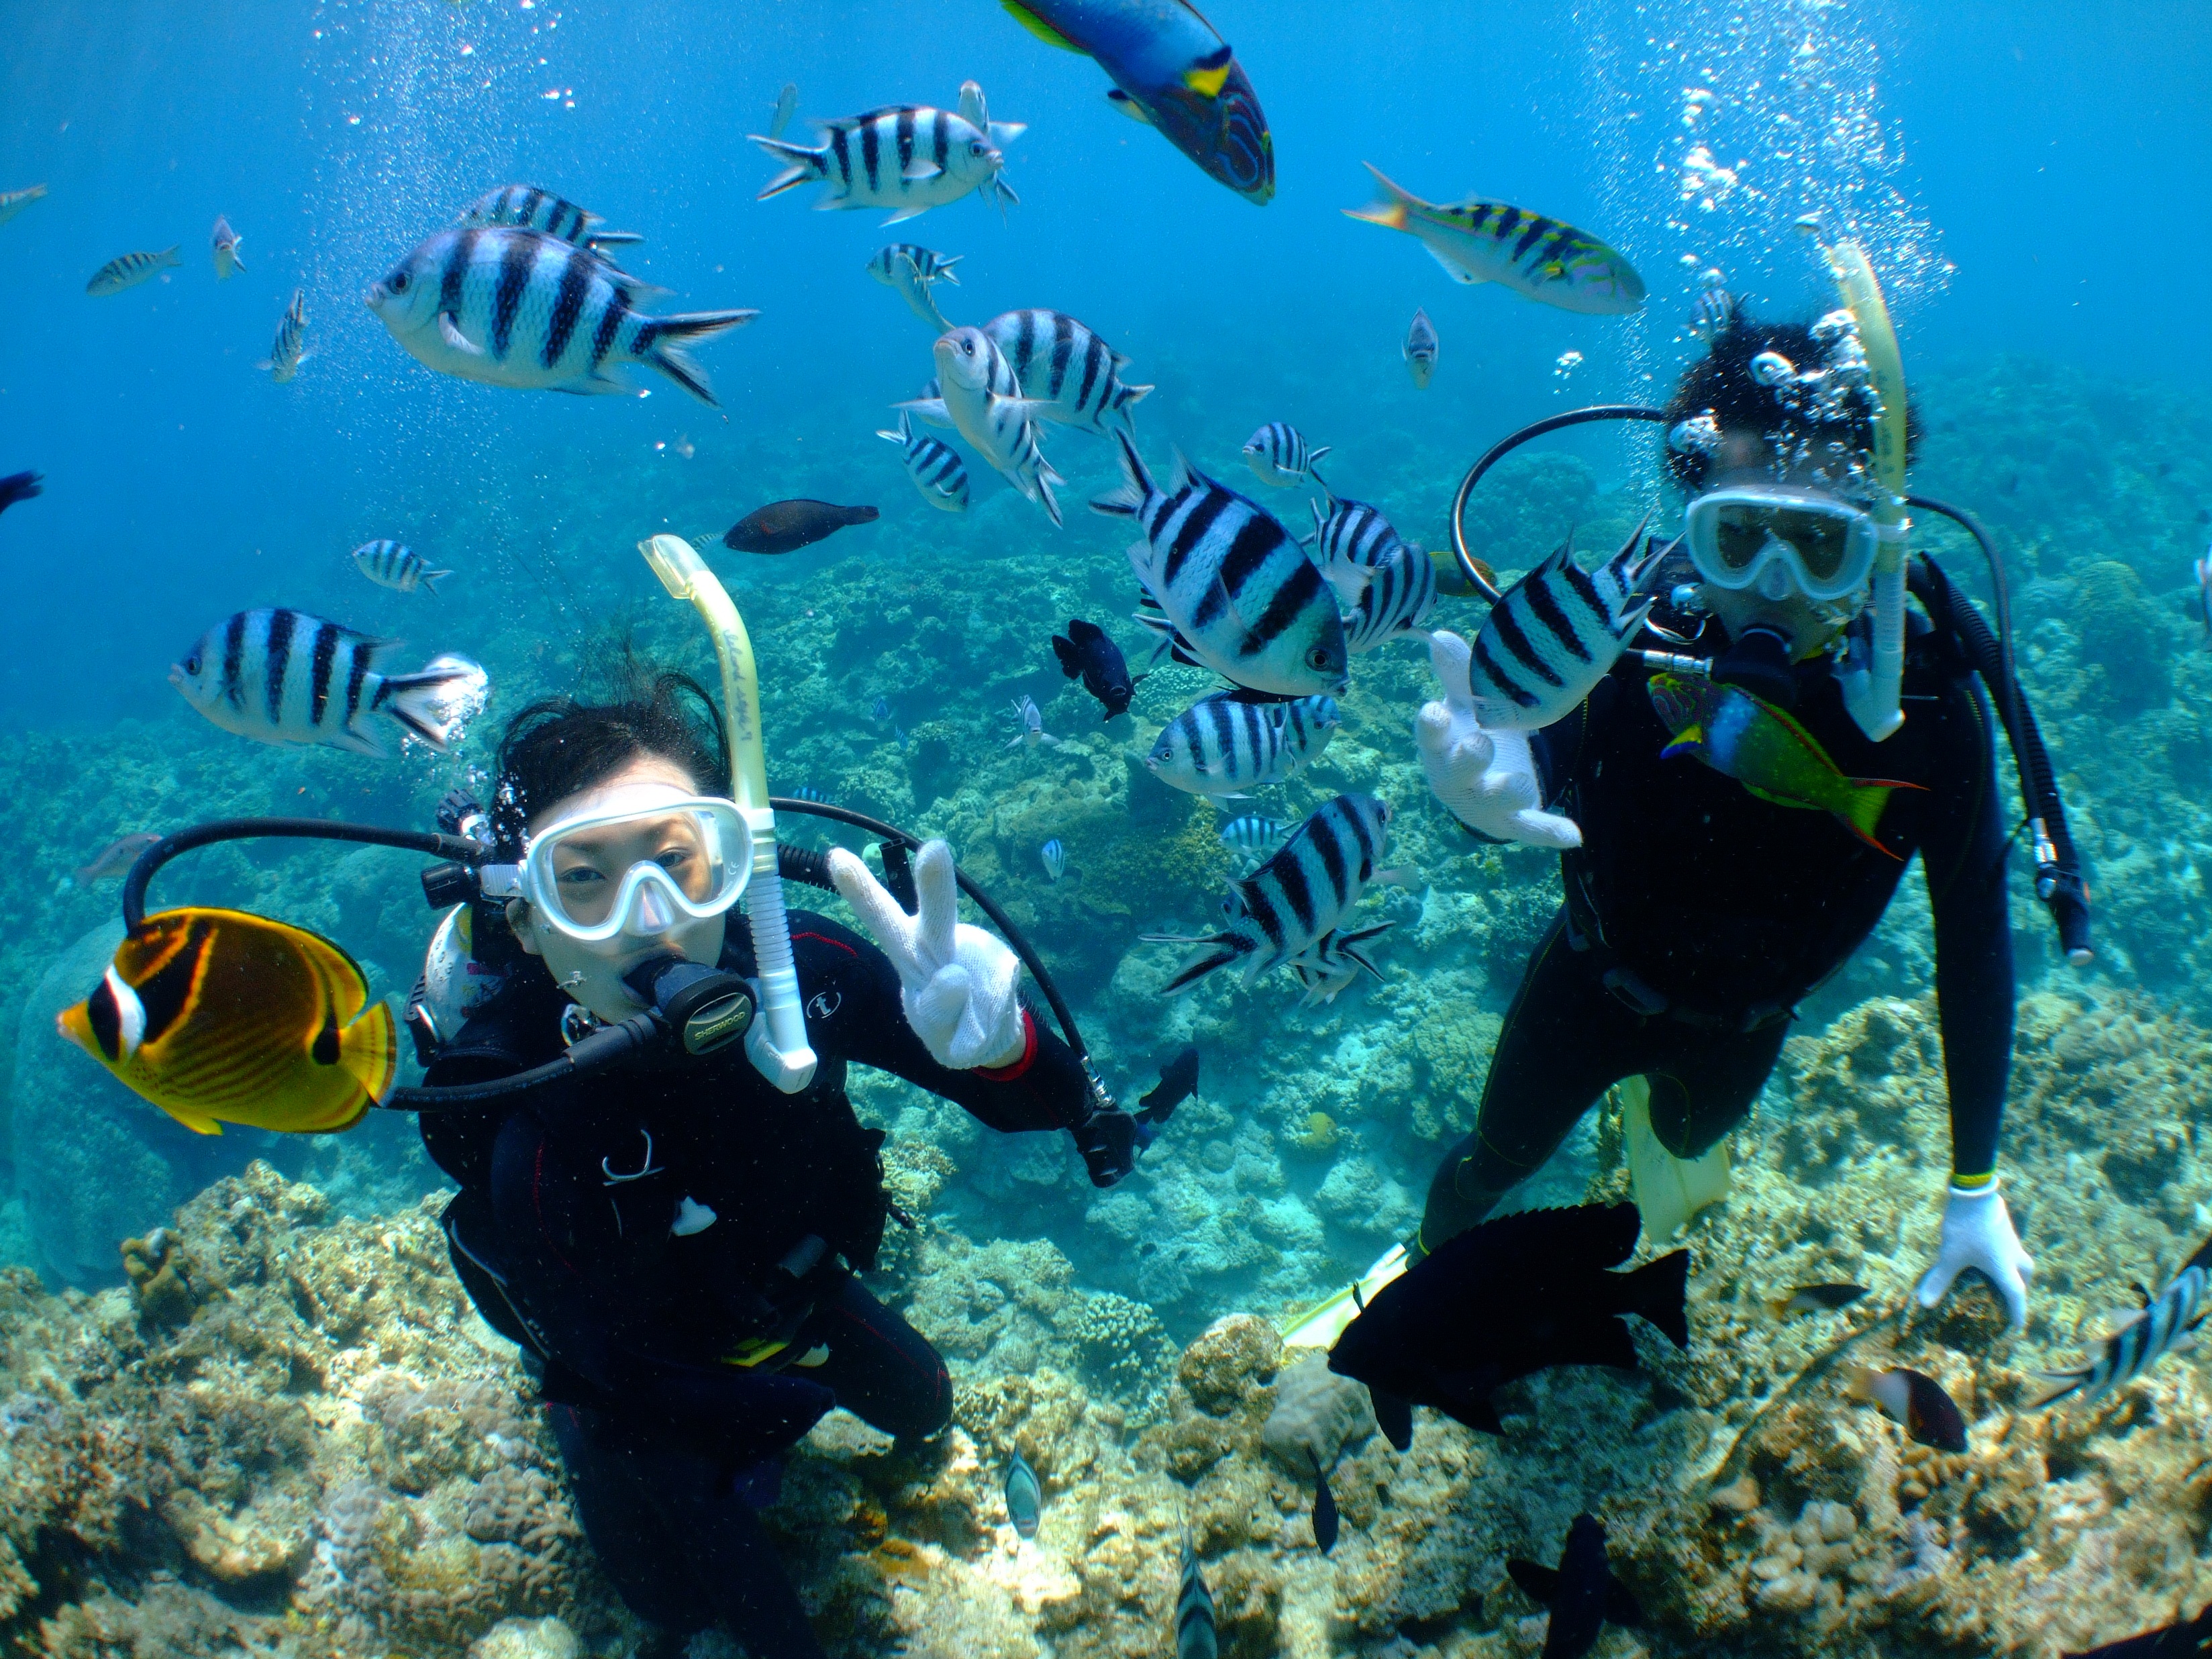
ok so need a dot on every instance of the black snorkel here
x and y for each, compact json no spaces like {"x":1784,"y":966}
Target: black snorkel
{"x":2058,"y":881}
{"x":691,"y":1006}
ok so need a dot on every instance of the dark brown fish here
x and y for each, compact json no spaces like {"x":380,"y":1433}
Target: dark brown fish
{"x":116,"y":858}
{"x":1917,"y":1401}
{"x":787,"y":526}
{"x":2183,"y":1641}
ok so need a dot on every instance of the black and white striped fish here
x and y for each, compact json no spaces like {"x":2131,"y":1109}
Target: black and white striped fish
{"x":1073,"y":375}
{"x":1390,"y":585}
{"x":1714,"y":312}
{"x":281,"y":676}
{"x":129,"y":269}
{"x":1235,"y":593}
{"x":529,"y":208}
{"x":2166,"y":1325}
{"x":1420,"y":348}
{"x":1253,"y":834}
{"x":907,"y":157}
{"x":1554,"y":634}
{"x":936,"y":469}
{"x":1289,"y":904}
{"x":1228,"y":743}
{"x":983,"y":400}
{"x":388,"y":564}
{"x":1278,"y":455}
{"x":289,"y":348}
{"x":516,"y":307}
{"x":1195,"y":1636}
{"x":911,"y":270}
{"x":1334,"y":963}
{"x":223,"y":245}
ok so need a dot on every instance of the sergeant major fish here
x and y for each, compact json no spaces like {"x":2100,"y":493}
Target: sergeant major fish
{"x":1236,"y":594}
{"x":1420,"y":349}
{"x":515,"y":307}
{"x":936,"y":469}
{"x":1284,"y":907}
{"x":1173,"y":72}
{"x":281,"y":675}
{"x":1073,"y":376}
{"x":1195,"y":1635}
{"x":983,"y":400}
{"x":1483,"y":242}
{"x":288,"y":350}
{"x":388,"y":564}
{"x":906,"y":157}
{"x":527,"y":207}
{"x":1225,"y":744}
{"x":1253,"y":834}
{"x":1553,"y":636}
{"x":2167,"y":1324}
{"x":1333,"y":962}
{"x":129,"y":269}
{"x":223,"y":244}
{"x":1279,"y":458}
{"x":1054,"y":856}
{"x":910,"y":271}
{"x":1391,"y":585}
{"x":1029,"y":724}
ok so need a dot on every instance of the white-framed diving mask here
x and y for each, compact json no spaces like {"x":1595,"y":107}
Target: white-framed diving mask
{"x":1780,"y":540}
{"x":641,"y":863}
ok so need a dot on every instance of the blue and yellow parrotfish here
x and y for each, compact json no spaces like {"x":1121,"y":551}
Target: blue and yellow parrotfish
{"x":219,"y":1017}
{"x":1172,"y":70}
{"x":1741,"y":737}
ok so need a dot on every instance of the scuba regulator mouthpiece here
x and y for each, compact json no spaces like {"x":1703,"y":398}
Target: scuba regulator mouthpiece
{"x":1758,"y":661}
{"x":707,"y":1008}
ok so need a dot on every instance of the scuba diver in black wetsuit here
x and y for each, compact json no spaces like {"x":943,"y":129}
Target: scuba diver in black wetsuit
{"x":1697,"y":914}
{"x":677,"y":1248}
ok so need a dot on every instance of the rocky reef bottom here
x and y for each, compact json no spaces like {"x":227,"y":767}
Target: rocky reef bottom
{"x":290,"y":1436}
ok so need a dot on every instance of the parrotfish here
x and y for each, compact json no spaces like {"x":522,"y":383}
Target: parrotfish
{"x":1741,"y":737}
{"x":1172,"y":70}
{"x":1541,"y":258}
{"x":787,"y":526}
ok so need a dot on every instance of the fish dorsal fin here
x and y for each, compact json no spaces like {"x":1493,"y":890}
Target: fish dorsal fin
{"x":1036,"y":26}
{"x":1539,"y":1584}
{"x":1180,"y":472}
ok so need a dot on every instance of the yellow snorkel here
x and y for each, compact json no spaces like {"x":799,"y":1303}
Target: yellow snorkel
{"x":1871,"y":687}
{"x":776,"y":1041}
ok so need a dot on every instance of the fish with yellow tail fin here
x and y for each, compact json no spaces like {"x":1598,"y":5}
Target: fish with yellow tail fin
{"x":1171,"y":70}
{"x":1541,"y":258}
{"x":1767,"y":751}
{"x":218,"y":1017}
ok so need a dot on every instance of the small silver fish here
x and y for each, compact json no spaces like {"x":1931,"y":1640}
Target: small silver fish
{"x":1031,"y":725}
{"x":13,"y":202}
{"x":2205,"y":591}
{"x":388,"y":564}
{"x":911,"y":270}
{"x":1278,"y":455}
{"x":129,"y":269}
{"x":116,"y":858}
{"x":289,"y":350}
{"x":1420,"y":349}
{"x":786,"y":106}
{"x":1055,"y":860}
{"x":1025,"y":1496}
{"x":227,"y":264}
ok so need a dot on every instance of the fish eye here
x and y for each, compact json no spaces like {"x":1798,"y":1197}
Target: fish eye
{"x":1318,"y":657}
{"x":977,"y":146}
{"x":399,"y":283}
{"x":192,"y":664}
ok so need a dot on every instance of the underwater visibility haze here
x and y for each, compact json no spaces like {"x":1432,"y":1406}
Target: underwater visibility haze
{"x":1058,"y":830}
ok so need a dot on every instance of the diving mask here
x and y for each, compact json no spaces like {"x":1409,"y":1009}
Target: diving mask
{"x":639,"y":863}
{"x":1780,"y":540}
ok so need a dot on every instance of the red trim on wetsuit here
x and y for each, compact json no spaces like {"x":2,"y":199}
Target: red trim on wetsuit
{"x":826,"y":939}
{"x":1008,"y":1074}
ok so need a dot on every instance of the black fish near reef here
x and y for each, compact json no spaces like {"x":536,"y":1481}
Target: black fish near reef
{"x":1178,"y":1082}
{"x":1086,"y":653}
{"x":1917,"y":1401}
{"x":1581,"y":1592}
{"x":787,"y":526}
{"x":1324,"y":1512}
{"x":2184,"y":1641}
{"x":1510,"y":1296}
{"x":19,"y":487}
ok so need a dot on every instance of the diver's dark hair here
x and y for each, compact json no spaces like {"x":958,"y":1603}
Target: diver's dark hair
{"x":1719,"y":386}
{"x":559,"y":746}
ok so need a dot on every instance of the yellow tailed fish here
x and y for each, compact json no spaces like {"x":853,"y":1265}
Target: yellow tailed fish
{"x":1172,"y":70}
{"x":219,"y":1017}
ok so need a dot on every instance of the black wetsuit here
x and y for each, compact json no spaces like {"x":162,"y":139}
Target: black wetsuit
{"x":642,"y":1231}
{"x":1698,"y":915}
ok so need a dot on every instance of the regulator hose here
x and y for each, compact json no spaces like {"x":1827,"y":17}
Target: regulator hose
{"x":1504,"y":447}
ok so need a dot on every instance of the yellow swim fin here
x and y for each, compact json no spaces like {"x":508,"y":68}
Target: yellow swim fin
{"x":1319,"y":1326}
{"x":1669,"y":1190}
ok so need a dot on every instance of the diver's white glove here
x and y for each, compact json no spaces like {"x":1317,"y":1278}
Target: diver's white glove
{"x":1486,"y":780}
{"x":1977,"y":1232}
{"x":957,"y":982}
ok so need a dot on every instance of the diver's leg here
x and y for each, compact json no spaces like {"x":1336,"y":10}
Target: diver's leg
{"x":880,"y":1368}
{"x":677,"y":1536}
{"x":1704,"y":1084}
{"x":1566,"y":1039}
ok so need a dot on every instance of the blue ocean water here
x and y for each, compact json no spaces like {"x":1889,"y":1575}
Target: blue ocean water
{"x":2028,"y":180}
